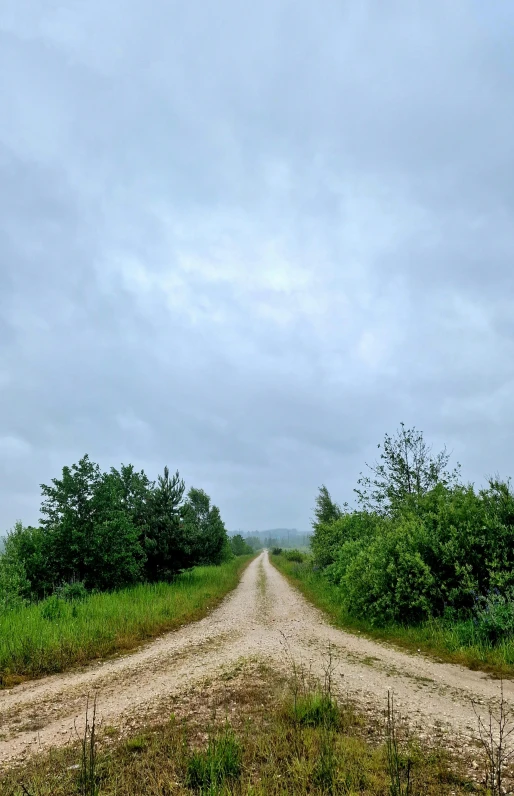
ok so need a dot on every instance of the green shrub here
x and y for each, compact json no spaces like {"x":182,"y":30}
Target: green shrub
{"x":276,"y":551}
{"x":440,"y":555}
{"x":388,"y":580}
{"x":72,"y":592}
{"x":494,"y":618}
{"x":52,"y":609}
{"x":328,"y":538}
{"x":294,"y":555}
{"x":424,"y":547}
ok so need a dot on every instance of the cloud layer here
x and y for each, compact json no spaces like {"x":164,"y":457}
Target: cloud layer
{"x":246,"y":242}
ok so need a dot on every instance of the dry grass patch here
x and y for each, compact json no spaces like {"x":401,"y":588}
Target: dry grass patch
{"x":253,"y":732}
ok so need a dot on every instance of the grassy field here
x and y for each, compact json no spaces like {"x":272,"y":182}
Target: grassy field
{"x":455,"y":643}
{"x":281,"y":738}
{"x":53,"y":635}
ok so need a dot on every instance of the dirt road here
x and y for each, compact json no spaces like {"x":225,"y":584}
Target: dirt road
{"x":264,"y":618}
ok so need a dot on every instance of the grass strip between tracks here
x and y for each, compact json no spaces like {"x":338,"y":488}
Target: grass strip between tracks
{"x":251,"y":735}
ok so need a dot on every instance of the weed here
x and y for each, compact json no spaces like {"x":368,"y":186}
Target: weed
{"x":399,"y":769}
{"x":208,"y":770}
{"x":52,"y":608}
{"x":137,"y":744}
{"x":88,"y":775}
{"x":496,"y":737}
{"x":315,"y":710}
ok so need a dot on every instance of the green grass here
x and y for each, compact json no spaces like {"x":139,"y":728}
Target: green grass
{"x":209,"y":769}
{"x":54,"y":635}
{"x":456,"y":643}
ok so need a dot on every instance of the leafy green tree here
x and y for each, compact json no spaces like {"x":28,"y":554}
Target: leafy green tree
{"x":26,"y":545}
{"x":14,"y":583}
{"x":406,"y":471}
{"x":239,"y":546}
{"x":204,"y":528}
{"x":89,"y":532}
{"x":115,"y":557}
{"x":325,"y":510}
{"x":135,"y":495}
{"x":69,"y":517}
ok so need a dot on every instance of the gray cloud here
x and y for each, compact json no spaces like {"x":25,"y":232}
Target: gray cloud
{"x":246,"y":242}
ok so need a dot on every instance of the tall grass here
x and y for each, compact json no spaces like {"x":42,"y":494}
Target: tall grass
{"x":53,"y":635}
{"x":456,"y":642}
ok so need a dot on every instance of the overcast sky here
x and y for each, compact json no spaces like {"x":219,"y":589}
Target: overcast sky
{"x":247,"y":239}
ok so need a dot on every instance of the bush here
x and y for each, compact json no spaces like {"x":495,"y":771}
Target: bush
{"x":449,"y":553}
{"x":294,"y":555}
{"x":388,"y":580}
{"x":276,"y":551}
{"x":52,"y":608}
{"x":72,"y":592}
{"x":328,"y":538}
{"x":494,"y":618}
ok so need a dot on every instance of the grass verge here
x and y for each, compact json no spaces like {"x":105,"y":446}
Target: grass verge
{"x":54,"y":635}
{"x":448,"y":643}
{"x":252,"y":734}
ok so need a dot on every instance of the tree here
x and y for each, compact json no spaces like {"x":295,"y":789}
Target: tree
{"x":135,"y":494}
{"x":204,"y":529}
{"x":26,"y":545}
{"x":325,"y":511}
{"x":89,"y":532}
{"x":253,"y":542}
{"x":14,"y":583}
{"x":68,"y":521}
{"x":239,"y":546}
{"x":167,"y":551}
{"x":115,"y":554}
{"x":407,"y":470}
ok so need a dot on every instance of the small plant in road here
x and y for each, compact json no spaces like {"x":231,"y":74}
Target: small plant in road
{"x":398,"y":769}
{"x":496,"y":735}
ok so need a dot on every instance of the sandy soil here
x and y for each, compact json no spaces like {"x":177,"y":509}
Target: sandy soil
{"x":263,"y":619}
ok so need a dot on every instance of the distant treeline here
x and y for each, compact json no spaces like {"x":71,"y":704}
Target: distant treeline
{"x":288,"y":538}
{"x":106,"y":530}
{"x":421,"y":544}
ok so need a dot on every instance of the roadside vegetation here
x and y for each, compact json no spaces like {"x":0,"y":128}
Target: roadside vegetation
{"x":56,"y":633}
{"x":255,"y":735}
{"x":116,"y":559}
{"x":424,"y":560}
